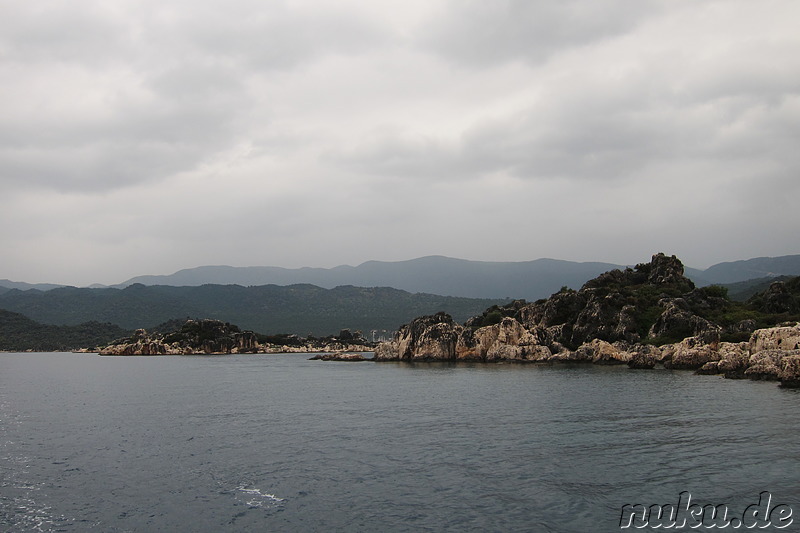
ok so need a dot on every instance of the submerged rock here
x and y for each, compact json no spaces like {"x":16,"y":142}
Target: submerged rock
{"x":339,"y":357}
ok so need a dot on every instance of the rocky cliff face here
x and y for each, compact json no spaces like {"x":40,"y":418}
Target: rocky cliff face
{"x":604,"y":323}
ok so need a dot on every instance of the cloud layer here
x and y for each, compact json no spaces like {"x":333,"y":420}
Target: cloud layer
{"x":144,"y":137}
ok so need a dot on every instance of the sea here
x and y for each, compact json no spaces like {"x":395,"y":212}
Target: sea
{"x":279,"y":443}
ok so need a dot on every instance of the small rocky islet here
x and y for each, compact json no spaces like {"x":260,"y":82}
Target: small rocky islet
{"x":207,"y":336}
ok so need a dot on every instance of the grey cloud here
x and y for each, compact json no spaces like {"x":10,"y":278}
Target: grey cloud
{"x":167,"y":84}
{"x":590,"y":140}
{"x":488,"y":32}
{"x":271,"y":35}
{"x":63,"y":32}
{"x":174,"y":129}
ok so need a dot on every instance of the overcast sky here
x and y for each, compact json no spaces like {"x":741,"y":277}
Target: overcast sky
{"x":142,"y":136}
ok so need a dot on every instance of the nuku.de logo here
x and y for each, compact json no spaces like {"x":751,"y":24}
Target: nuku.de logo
{"x":759,"y":515}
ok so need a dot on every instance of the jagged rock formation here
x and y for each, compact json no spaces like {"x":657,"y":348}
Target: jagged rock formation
{"x":217,"y":337}
{"x":780,"y":297}
{"x":605,"y":322}
{"x":618,"y":306}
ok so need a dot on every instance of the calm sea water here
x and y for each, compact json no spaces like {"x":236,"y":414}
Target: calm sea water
{"x":280,"y":443}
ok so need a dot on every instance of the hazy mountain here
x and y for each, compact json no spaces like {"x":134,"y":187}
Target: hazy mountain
{"x":531,"y":280}
{"x":301,"y":309}
{"x":8,"y":284}
{"x":434,"y":275}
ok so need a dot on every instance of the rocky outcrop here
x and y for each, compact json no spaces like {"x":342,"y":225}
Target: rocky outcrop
{"x":429,"y":338}
{"x":645,"y":356}
{"x":196,"y":336}
{"x":617,"y":306}
{"x":506,"y":341}
{"x":677,"y":320}
{"x":602,"y":353}
{"x":778,"y":298}
{"x":733,"y":360}
{"x":690,"y":354}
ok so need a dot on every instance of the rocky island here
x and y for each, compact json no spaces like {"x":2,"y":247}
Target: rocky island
{"x":641,"y":317}
{"x":216,"y":337}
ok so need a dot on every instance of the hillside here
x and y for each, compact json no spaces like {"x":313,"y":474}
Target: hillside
{"x":19,"y":333}
{"x":298,"y":309}
{"x":741,"y":291}
{"x":759,"y":267}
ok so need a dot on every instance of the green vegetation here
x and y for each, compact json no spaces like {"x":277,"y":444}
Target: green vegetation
{"x":19,"y":333}
{"x":495,"y":314}
{"x":744,"y":290}
{"x":295,"y":309}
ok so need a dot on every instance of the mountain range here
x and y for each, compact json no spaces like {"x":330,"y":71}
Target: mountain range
{"x":448,"y":276}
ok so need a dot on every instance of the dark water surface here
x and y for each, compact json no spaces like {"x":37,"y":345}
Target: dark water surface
{"x":280,"y":443}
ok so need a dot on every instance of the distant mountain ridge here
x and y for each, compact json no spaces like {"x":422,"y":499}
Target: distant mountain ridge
{"x":431,"y":275}
{"x":20,"y":285}
{"x":448,"y":276}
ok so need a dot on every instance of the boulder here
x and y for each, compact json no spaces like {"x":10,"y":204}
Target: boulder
{"x":712,"y":367}
{"x":506,"y":341}
{"x":644,"y":356}
{"x":427,"y":338}
{"x":733,"y":359}
{"x":767,"y":364}
{"x":790,"y":371}
{"x":690,"y":354}
{"x":601,"y":352}
{"x":777,"y":338}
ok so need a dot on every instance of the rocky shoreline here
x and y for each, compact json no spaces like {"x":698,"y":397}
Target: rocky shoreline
{"x":771,"y":354}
